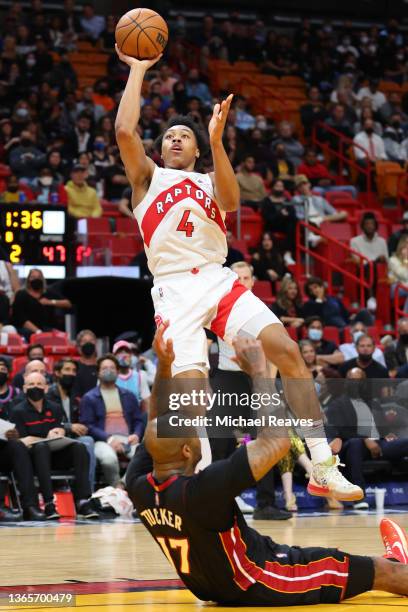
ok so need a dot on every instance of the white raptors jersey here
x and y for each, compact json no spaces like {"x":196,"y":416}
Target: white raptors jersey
{"x":181,"y":223}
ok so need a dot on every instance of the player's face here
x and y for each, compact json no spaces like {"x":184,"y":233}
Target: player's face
{"x":179,"y":148}
{"x":245,"y":277}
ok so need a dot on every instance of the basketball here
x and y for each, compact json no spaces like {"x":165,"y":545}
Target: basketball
{"x":141,"y":33}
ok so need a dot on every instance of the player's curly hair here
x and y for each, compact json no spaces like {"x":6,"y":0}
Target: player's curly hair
{"x":188,"y":121}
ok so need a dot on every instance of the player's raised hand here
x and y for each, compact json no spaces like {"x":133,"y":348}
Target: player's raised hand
{"x":218,"y":119}
{"x":133,"y":61}
{"x":163,"y":348}
{"x":249,"y":355}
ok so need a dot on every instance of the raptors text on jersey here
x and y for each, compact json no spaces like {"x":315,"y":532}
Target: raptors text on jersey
{"x":181,"y":223}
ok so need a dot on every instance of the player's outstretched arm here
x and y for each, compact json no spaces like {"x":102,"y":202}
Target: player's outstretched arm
{"x":139,"y":167}
{"x":159,"y":399}
{"x":225,"y":182}
{"x":271,"y":444}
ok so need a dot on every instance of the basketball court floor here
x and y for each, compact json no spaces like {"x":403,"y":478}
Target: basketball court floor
{"x":114,"y":565}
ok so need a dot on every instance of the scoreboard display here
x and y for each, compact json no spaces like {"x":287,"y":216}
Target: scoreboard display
{"x":39,"y":235}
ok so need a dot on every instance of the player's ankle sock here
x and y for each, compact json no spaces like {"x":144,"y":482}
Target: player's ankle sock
{"x":315,"y":438}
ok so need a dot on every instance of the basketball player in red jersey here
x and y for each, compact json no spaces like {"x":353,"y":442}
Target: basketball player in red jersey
{"x":181,"y":216}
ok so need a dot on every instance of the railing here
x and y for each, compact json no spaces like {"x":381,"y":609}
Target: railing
{"x":398,"y":311}
{"x":365,"y":266}
{"x":344,"y":161}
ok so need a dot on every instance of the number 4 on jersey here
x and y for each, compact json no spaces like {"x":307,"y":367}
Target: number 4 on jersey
{"x":185,"y":225}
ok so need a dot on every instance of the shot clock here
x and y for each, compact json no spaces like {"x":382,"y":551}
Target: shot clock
{"x":39,"y":235}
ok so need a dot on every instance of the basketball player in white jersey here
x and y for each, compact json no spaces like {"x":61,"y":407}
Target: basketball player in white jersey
{"x":181,"y":215}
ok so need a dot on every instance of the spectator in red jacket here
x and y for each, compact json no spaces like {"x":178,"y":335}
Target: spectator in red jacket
{"x":49,"y":191}
{"x":319,"y":175}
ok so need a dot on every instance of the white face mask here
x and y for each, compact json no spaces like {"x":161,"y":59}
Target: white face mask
{"x":46,"y":181}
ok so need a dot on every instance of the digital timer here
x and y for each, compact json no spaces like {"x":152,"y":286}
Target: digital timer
{"x":39,"y":234}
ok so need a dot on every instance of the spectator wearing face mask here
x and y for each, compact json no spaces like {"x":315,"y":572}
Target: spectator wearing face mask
{"x":396,"y":354}
{"x":365,"y":346}
{"x":86,"y":377}
{"x":33,"y":307}
{"x":395,"y":141}
{"x":36,"y":420}
{"x":26,"y":159}
{"x":349,"y":349}
{"x":323,"y":348}
{"x":61,"y":393}
{"x":128,"y":378}
{"x":113,"y":417}
{"x":48,"y":191}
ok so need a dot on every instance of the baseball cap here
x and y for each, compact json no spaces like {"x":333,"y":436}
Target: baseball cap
{"x":78,"y":168}
{"x":122,"y":344}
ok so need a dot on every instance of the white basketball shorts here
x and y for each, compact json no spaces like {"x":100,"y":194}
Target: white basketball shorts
{"x":207,"y":297}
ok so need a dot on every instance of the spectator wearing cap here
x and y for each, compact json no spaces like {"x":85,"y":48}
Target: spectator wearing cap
{"x":129,"y":378}
{"x":86,"y":377}
{"x":38,"y":420}
{"x":394,"y":239}
{"x":113,"y":417}
{"x":145,"y":362}
{"x":313,"y":208}
{"x":83,"y":201}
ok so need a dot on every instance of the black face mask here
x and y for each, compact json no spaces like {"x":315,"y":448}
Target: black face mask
{"x":369,"y":130}
{"x":26,"y":142}
{"x":37,"y":284}
{"x":67,"y":381}
{"x":277,"y":193}
{"x":13,"y":188}
{"x":3,"y":378}
{"x":396,"y":124}
{"x":365,"y":358}
{"x":88,"y":349}
{"x":404,"y":338}
{"x":35,"y":394}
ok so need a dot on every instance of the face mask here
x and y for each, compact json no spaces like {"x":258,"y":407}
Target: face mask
{"x":13,"y":188}
{"x":31,"y":63}
{"x":46,"y":181}
{"x":123,"y":362}
{"x":277,"y":192}
{"x":396,"y":124}
{"x":262,"y":125}
{"x":37,"y":284}
{"x":108,"y":377}
{"x":67,"y":380}
{"x":3,"y":378}
{"x":365,"y":358}
{"x":88,"y":349}
{"x":315,"y":334}
{"x":357,"y":335}
{"x":369,"y":130}
{"x":99,"y":146}
{"x":35,"y":393}
{"x":404,"y":338}
{"x":26,"y":142}
{"x":22,"y":113}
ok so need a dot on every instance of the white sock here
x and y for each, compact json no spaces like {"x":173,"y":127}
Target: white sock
{"x":206,"y":456}
{"x":319,"y":448}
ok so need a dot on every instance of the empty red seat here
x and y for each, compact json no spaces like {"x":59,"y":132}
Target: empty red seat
{"x":55,"y":342}
{"x":13,"y":344}
{"x":123,"y":250}
{"x":263,"y":290}
{"x":332,"y":334}
{"x":340,"y":231}
{"x":98,"y":225}
{"x":126,"y":225}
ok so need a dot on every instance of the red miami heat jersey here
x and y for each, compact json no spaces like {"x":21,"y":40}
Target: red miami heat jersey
{"x":180,"y":221}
